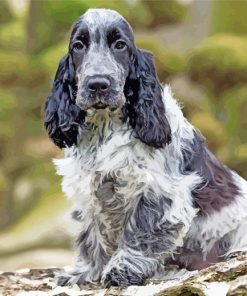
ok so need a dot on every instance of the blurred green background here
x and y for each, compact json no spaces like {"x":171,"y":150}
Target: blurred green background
{"x":201,"y":51}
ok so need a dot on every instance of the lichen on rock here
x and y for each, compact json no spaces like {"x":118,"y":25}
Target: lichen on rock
{"x":223,"y":279}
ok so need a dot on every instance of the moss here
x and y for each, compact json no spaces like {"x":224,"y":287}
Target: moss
{"x":187,"y":289}
{"x":240,"y":291}
{"x":229,"y":275}
{"x":220,"y":63}
{"x":168,"y":62}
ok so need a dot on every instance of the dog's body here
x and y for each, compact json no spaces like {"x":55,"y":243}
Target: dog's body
{"x":146,"y":189}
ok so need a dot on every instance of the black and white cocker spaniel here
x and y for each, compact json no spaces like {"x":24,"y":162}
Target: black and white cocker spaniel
{"x":146,"y":188}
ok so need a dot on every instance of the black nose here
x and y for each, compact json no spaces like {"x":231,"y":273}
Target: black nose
{"x":98,"y":84}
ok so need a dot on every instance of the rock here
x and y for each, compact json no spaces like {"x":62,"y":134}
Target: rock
{"x":223,"y":279}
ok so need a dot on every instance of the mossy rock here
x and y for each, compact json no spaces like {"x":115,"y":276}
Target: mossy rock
{"x":188,"y":289}
{"x":220,"y":63}
{"x":17,"y":69}
{"x":168,"y":62}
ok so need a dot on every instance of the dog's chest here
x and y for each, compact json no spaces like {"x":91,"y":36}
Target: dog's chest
{"x":94,"y":177}
{"x":110,"y":210}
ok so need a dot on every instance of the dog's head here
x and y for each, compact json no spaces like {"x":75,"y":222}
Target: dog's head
{"x":104,"y":69}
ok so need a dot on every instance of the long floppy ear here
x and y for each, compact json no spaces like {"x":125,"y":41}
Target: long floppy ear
{"x":62,"y":117}
{"x":144,"y":106}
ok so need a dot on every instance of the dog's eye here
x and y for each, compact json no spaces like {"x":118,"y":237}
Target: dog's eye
{"x":120,"y":45}
{"x":77,"y":46}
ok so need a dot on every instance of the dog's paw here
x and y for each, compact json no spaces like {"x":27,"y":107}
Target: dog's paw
{"x":122,"y":277}
{"x":70,"y":279}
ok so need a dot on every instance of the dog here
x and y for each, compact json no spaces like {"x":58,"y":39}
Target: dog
{"x":147,"y":190}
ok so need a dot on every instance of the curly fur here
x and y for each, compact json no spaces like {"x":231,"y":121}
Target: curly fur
{"x":147,"y":190}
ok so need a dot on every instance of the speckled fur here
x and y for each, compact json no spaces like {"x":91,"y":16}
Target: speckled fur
{"x":146,"y":189}
{"x":108,"y":173}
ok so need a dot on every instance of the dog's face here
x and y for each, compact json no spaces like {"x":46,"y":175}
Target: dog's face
{"x":101,"y":46}
{"x":104,"y":69}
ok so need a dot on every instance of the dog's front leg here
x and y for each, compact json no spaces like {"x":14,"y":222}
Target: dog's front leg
{"x":154,"y":227}
{"x":92,"y":247}
{"x":91,"y":256}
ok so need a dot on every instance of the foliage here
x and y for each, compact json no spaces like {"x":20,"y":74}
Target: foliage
{"x":229,"y":16}
{"x":211,"y":128}
{"x":12,"y":36}
{"x":6,"y":14}
{"x":168,"y":62}
{"x":220,"y":63}
{"x":168,"y":12}
{"x":235,"y":102}
{"x":50,"y":57}
{"x":22,"y":70}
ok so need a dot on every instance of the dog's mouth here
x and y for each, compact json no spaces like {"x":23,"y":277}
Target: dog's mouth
{"x":109,"y":102}
{"x":100,"y":105}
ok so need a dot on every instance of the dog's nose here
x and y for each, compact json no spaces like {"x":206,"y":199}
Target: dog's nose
{"x":98,"y":84}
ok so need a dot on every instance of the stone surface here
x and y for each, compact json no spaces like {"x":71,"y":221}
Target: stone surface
{"x":223,"y":279}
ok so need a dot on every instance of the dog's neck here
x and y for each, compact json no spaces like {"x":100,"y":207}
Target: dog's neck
{"x":101,"y":126}
{"x":103,"y":117}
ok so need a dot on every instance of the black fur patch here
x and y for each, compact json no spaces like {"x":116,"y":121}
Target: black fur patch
{"x":148,"y":231}
{"x":218,"y":188}
{"x":123,"y":277}
{"x":144,"y":106}
{"x":62,"y":116}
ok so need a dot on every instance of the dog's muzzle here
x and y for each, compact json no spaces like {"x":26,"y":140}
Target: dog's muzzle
{"x":98,"y":86}
{"x":98,"y":92}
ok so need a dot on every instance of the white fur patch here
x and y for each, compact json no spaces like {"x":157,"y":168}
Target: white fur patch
{"x":100,"y":16}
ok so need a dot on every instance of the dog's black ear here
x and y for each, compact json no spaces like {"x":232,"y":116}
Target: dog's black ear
{"x":62,"y":117}
{"x":144,"y":105}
